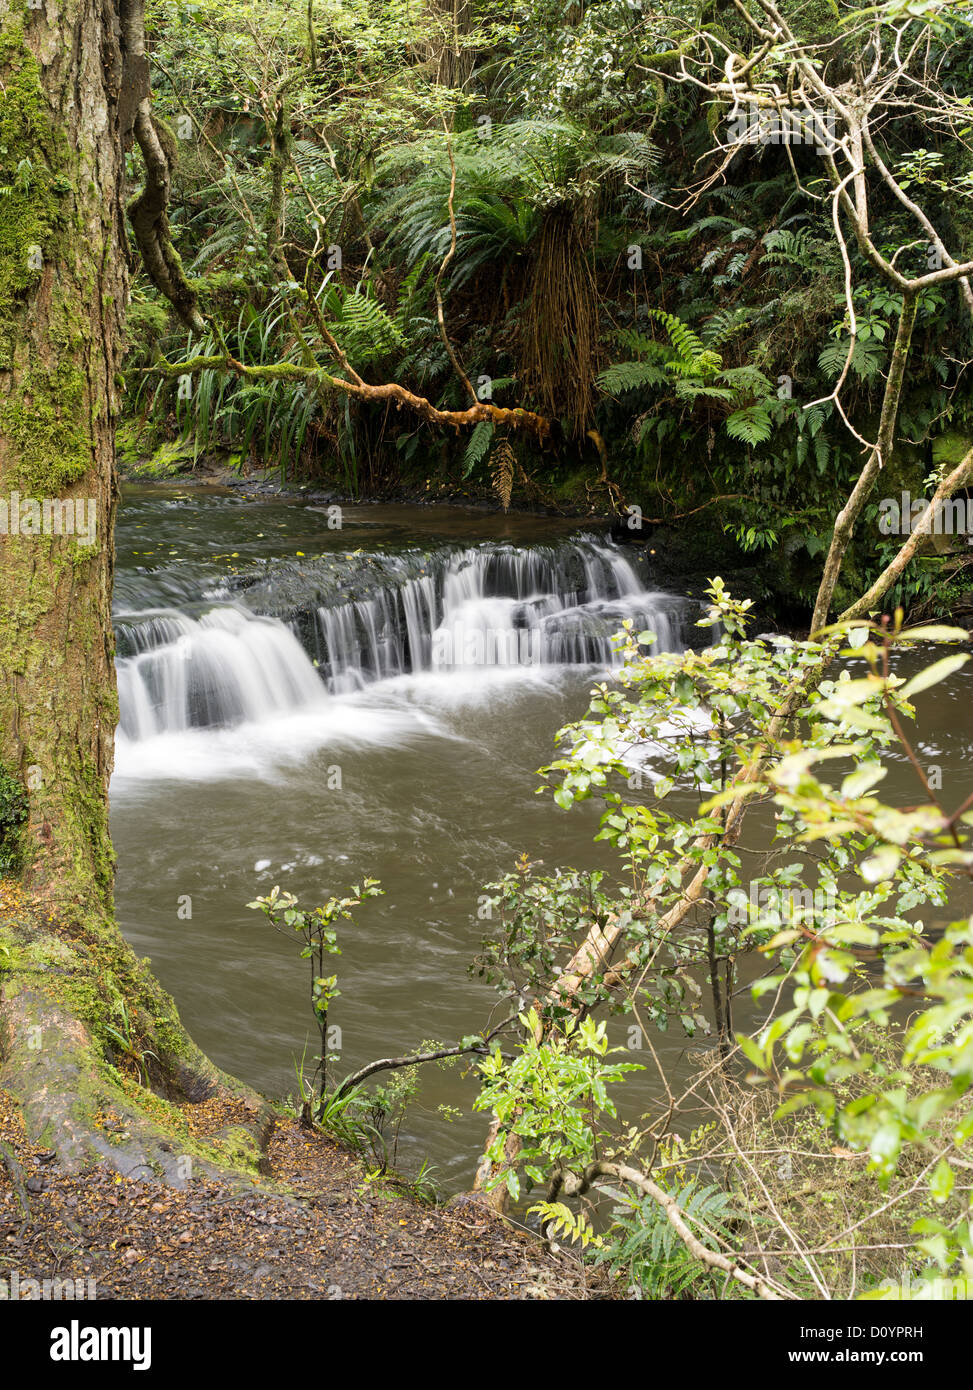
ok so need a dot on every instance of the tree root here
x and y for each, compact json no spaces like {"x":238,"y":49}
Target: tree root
{"x":60,"y":1065}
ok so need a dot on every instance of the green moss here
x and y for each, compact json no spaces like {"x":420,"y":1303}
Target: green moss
{"x":950,"y":449}
{"x":237,"y":1147}
{"x":47,"y":417}
{"x":145,"y":323}
{"x":31,"y":208}
{"x":168,"y":460}
{"x":47,"y":423}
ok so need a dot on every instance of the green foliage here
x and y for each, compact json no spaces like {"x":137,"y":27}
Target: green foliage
{"x":707,"y":351}
{"x":317,"y":930}
{"x":557,"y":1219}
{"x":908,"y":854}
{"x":121,"y":1033}
{"x":553,"y":1095}
{"x":646,"y":1252}
{"x":13,"y":813}
{"x":365,"y":331}
{"x":841,"y":887}
{"x":689,"y":370}
{"x":479,"y":446}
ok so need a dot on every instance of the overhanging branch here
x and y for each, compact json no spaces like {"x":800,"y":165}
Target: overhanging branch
{"x":149,"y":212}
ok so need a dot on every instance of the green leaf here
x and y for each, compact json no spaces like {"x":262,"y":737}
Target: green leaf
{"x":934,"y":632}
{"x":932,"y":675}
{"x":752,"y":1051}
{"x":941,"y":1181}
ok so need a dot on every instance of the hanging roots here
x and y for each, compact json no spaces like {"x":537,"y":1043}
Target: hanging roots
{"x":503,"y":465}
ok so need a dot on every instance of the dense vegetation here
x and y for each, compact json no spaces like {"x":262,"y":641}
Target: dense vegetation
{"x":670,"y":309}
{"x":570,"y":255}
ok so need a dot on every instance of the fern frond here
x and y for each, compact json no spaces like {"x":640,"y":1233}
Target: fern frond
{"x":558,"y":1219}
{"x":478,"y":447}
{"x":502,"y":466}
{"x":630,"y":376}
{"x":751,"y":425}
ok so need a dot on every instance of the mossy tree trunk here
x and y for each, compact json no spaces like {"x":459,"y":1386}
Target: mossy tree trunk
{"x":62,"y":296}
{"x":85,"y":1029}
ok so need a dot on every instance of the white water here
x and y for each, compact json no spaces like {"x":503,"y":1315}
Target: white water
{"x":225,"y":667}
{"x":213,"y":689}
{"x":492,"y":607}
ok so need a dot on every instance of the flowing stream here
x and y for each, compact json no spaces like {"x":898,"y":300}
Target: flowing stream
{"x":304,"y":705}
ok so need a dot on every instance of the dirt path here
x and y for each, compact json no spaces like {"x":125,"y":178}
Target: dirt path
{"x":337,"y":1236}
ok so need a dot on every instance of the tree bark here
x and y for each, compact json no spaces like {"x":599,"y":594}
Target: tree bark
{"x":63,"y":295}
{"x":68,"y":981}
{"x":877,"y":457}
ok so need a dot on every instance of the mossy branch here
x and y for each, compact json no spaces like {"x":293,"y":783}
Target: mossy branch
{"x":149,"y":212}
{"x":526,"y":420}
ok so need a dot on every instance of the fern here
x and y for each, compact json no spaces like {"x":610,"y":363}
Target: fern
{"x":558,"y":1219}
{"x":478,"y":447}
{"x":734,"y":267}
{"x":747,"y":380}
{"x":502,"y":465}
{"x":312,"y":162}
{"x":686,"y":343}
{"x":752,"y":425}
{"x":412,"y":296}
{"x":364,"y":329}
{"x":691,"y":389}
{"x":630,"y":376}
{"x":790,"y":248}
{"x":866,"y":359}
{"x":648,"y":1250}
{"x":687,"y":359}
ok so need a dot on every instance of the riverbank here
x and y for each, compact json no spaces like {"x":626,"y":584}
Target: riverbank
{"x":194,"y":1187}
{"x":328,"y":1232}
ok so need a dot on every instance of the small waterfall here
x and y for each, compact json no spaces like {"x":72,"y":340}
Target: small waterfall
{"x":493,"y":606}
{"x":280,"y":640}
{"x":220,"y":668}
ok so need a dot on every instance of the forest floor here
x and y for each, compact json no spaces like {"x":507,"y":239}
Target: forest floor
{"x":314,"y":1227}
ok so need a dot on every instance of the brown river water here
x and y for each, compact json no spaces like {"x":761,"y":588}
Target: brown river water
{"x":305,"y":704}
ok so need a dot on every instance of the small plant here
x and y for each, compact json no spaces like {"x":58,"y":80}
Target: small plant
{"x":13,"y":813}
{"x":553,"y":1095}
{"x":316,"y":927}
{"x":645,"y":1250}
{"x":124,"y":1038}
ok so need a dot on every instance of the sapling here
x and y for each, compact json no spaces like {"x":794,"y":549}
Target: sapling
{"x":316,"y":927}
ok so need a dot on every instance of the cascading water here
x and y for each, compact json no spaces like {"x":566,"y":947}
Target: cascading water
{"x":304,"y":707}
{"x":223,"y":667}
{"x":258,"y":646}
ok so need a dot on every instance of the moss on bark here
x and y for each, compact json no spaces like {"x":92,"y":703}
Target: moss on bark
{"x":90,"y":1044}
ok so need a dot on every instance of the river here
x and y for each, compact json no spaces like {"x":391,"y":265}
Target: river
{"x":305,"y":703}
